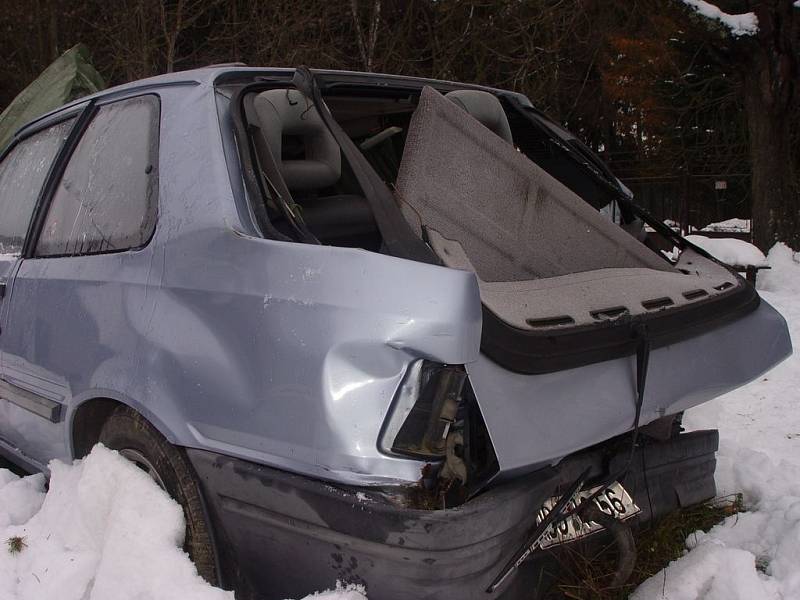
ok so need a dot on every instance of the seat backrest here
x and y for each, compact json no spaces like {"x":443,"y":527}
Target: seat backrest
{"x":486,"y":108}
{"x":287,"y":112}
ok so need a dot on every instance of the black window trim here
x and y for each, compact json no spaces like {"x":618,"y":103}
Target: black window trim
{"x":56,"y":172}
{"x":84,"y":116}
{"x":39,"y":127}
{"x":45,"y":123}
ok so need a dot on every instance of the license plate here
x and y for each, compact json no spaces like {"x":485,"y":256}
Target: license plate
{"x":613,"y":501}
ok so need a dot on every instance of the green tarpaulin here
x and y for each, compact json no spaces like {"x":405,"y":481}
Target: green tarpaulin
{"x":70,"y":76}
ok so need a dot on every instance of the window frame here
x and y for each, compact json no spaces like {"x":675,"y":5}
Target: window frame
{"x":29,"y":131}
{"x":85,"y":115}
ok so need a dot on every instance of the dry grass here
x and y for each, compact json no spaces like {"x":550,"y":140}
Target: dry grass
{"x":16,"y":544}
{"x":585,"y":569}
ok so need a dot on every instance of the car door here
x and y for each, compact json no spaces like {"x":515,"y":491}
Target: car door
{"x":71,"y":319}
{"x":23,"y":171}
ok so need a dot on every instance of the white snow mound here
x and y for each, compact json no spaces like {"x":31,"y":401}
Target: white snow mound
{"x":752,"y":554}
{"x":731,"y":225}
{"x":744,"y":24}
{"x":730,"y":250}
{"x":104,"y":530}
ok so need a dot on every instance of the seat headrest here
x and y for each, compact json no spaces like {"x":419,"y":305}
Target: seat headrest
{"x":287,"y":112}
{"x":486,"y":108}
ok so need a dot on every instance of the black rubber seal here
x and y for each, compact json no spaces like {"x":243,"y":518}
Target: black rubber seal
{"x":534,"y":352}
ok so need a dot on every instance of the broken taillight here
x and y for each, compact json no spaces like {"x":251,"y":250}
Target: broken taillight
{"x":425,"y":408}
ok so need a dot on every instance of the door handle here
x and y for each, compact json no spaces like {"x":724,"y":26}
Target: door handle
{"x":3,"y":287}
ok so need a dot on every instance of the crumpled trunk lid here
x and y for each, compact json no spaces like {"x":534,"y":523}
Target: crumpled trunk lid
{"x":568,"y":295}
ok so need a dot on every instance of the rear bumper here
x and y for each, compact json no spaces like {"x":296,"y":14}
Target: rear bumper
{"x":290,"y":535}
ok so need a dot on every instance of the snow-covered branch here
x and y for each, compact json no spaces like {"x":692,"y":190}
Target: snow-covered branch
{"x":744,"y":24}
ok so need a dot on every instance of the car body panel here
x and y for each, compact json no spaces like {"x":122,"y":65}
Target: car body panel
{"x":302,"y":535}
{"x":536,"y":420}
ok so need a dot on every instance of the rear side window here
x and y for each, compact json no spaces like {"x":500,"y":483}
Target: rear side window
{"x":22,"y":174}
{"x":106,"y":200}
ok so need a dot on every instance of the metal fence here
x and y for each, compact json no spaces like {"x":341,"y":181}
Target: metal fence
{"x":694,"y":201}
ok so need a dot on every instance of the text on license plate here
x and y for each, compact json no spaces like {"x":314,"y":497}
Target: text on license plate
{"x":613,"y":501}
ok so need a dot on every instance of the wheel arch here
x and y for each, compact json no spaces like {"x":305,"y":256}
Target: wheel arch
{"x":88,"y":415}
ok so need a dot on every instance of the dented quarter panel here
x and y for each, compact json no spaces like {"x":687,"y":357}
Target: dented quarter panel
{"x":300,"y":358}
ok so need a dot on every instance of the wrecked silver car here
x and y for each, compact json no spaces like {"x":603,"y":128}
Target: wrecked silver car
{"x":367,"y":328}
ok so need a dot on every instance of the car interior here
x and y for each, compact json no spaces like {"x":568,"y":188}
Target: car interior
{"x":561,"y":245}
{"x":290,"y":134}
{"x":309,"y":168}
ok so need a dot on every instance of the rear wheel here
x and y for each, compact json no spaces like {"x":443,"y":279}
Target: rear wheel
{"x":137,"y":440}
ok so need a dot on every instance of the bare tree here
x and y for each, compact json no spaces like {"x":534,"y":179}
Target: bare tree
{"x":656,"y":86}
{"x":765,"y":59}
{"x":366,"y":44}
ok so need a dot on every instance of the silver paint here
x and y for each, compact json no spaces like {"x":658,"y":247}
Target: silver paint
{"x":291,"y":354}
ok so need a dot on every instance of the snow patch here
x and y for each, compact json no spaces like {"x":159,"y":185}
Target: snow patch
{"x":674,"y":225}
{"x":731,"y":225}
{"x":351,"y":591}
{"x":752,"y":554}
{"x":784,"y":277}
{"x":103,"y":530}
{"x":730,"y":250}
{"x":739,"y":25}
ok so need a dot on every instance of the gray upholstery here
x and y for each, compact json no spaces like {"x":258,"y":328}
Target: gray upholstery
{"x":539,"y":250}
{"x":486,"y":108}
{"x":581,"y":296}
{"x":515,"y":221}
{"x":287,"y":112}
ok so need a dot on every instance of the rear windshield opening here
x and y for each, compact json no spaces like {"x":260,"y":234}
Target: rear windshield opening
{"x":324,"y":191}
{"x":379,"y":125}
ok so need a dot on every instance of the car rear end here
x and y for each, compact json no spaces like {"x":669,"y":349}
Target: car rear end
{"x":571,"y":391}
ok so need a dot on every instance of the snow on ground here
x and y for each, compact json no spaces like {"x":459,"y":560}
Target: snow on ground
{"x":103,"y":530}
{"x":731,"y":225}
{"x":730,"y":250}
{"x":744,"y":24}
{"x":752,"y":555}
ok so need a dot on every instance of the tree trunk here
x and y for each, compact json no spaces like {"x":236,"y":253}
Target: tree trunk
{"x":770,"y":77}
{"x":776,"y":204}
{"x":53,"y":33}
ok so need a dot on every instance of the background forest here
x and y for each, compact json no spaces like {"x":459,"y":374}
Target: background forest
{"x":671,"y":100}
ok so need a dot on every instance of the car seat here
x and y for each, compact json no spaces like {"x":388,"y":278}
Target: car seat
{"x":309,"y":161}
{"x":486,"y":108}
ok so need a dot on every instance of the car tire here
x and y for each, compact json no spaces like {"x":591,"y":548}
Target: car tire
{"x":136,"y":439}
